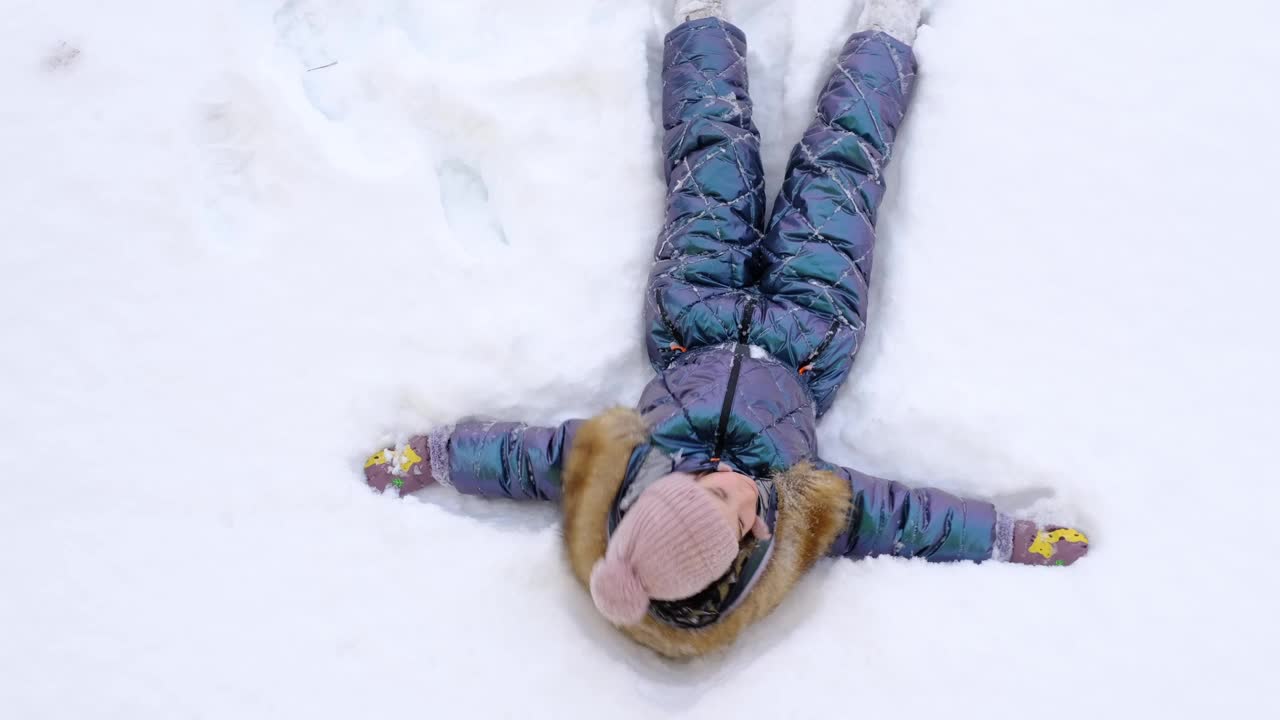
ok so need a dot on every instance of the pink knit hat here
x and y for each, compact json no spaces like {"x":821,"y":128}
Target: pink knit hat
{"x":671,"y":544}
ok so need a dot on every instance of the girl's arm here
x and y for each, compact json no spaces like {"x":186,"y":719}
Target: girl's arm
{"x":491,"y":459}
{"x":889,"y":518}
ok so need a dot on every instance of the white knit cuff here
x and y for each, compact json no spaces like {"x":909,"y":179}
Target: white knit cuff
{"x":438,"y":449}
{"x":1002,"y":548}
{"x":687,"y":10}
{"x":898,"y":18}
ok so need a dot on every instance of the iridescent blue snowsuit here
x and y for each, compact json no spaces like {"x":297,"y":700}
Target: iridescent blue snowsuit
{"x":752,"y":326}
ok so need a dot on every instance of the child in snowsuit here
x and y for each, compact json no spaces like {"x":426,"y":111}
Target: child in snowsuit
{"x":694,"y":514}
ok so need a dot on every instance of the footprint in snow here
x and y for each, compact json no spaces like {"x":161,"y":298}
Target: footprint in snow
{"x":467,"y":209}
{"x":319,"y":33}
{"x":330,"y":38}
{"x":234,"y":130}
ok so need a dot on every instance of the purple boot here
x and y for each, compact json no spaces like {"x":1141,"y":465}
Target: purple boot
{"x":406,"y":468}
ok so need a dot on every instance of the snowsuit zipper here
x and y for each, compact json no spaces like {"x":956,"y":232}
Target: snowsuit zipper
{"x":731,"y":388}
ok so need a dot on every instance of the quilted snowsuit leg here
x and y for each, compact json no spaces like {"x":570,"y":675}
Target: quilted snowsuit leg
{"x":715,"y":193}
{"x":815,"y":259}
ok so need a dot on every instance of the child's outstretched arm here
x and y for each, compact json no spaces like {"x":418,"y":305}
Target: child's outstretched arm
{"x":889,"y":518}
{"x":491,"y":459}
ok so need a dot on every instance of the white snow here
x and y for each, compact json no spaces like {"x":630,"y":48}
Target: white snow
{"x":226,"y":277}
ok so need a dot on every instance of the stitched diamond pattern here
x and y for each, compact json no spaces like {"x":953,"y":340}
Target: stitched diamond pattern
{"x":808,"y":273}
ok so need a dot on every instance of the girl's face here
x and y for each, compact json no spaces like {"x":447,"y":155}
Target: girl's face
{"x":736,"y":495}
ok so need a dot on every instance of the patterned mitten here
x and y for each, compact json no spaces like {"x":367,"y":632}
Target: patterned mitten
{"x":1025,"y":543}
{"x":406,"y":468}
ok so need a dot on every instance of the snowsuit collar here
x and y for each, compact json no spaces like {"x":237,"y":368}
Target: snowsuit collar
{"x":812,"y":509}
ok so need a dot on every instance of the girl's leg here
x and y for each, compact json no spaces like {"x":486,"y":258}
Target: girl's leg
{"x":815,"y":259}
{"x":715,"y":191}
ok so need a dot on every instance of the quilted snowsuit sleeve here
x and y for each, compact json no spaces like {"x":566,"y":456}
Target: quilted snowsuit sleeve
{"x":506,"y":459}
{"x":889,"y":518}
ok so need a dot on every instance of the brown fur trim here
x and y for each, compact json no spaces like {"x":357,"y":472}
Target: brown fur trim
{"x":812,"y":510}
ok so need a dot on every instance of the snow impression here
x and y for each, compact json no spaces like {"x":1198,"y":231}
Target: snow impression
{"x":246,"y":243}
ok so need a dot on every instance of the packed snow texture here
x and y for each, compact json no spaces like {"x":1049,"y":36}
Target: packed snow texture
{"x":246,"y":243}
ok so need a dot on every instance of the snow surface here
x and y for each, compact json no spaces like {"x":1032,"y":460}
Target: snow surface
{"x":228,"y":273}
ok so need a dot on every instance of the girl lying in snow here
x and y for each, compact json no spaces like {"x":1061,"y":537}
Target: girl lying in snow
{"x":693,"y":515}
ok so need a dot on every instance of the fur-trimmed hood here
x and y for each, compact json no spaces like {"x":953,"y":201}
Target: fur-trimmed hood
{"x":813,"y":507}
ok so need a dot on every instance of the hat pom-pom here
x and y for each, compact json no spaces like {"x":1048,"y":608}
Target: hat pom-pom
{"x":617,"y":592}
